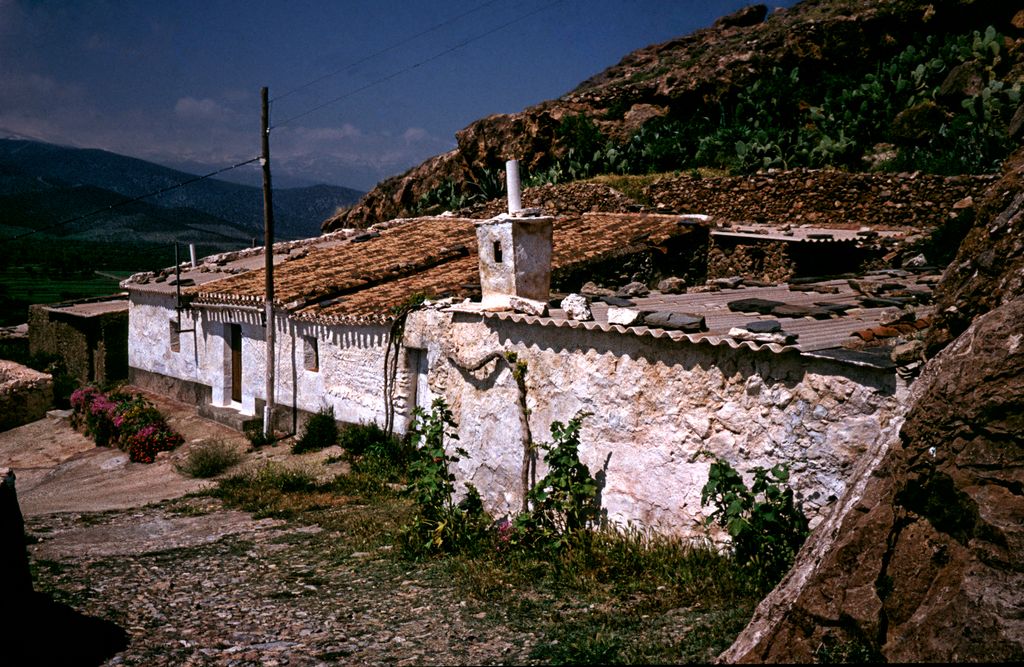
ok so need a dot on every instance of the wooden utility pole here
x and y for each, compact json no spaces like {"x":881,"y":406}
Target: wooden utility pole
{"x":268,"y":252}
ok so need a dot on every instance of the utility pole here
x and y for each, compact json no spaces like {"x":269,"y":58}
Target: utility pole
{"x":268,"y":253}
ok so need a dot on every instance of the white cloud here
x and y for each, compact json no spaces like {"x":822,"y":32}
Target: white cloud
{"x":415,"y":134}
{"x":190,"y":108}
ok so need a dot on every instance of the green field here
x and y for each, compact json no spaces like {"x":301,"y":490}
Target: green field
{"x":41,"y":269}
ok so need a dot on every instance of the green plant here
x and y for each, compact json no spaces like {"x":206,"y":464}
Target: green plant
{"x":565,"y":501}
{"x":440,"y":523}
{"x":319,"y":431}
{"x":209,"y":459}
{"x":765,"y":522}
{"x":126,"y":420}
{"x":253,"y":430}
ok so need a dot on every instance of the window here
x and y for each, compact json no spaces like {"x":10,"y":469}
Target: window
{"x":497,"y":252}
{"x":175,"y":335}
{"x":310,"y":353}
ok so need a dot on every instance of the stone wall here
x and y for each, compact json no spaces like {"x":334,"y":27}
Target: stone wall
{"x":93,"y":348}
{"x":25,"y":395}
{"x":655,"y":407}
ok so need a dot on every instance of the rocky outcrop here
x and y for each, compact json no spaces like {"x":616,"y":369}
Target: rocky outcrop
{"x":922,"y":559}
{"x":924,"y":562}
{"x":989,"y":267}
{"x":681,"y":76}
{"x":25,"y":394}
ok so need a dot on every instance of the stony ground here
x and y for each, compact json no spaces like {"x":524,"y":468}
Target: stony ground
{"x":144,"y":550}
{"x":268,"y":592}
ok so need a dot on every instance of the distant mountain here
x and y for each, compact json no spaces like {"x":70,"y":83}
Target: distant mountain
{"x":59,"y":182}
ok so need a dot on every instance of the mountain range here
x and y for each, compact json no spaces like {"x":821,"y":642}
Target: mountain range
{"x":43,"y":185}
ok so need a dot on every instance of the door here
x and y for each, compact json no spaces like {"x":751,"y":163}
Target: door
{"x":236,"y":363}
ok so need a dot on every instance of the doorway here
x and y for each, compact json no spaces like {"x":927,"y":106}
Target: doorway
{"x":236,"y":363}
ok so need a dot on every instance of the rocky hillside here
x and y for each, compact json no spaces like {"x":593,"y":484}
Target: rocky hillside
{"x":922,"y":560}
{"x":897,"y":85}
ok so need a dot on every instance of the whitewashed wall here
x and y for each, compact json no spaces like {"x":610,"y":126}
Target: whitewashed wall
{"x":655,"y":406}
{"x":349,"y":378}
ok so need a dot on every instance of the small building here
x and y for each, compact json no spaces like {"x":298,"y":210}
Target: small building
{"x":90,"y":336}
{"x":758,"y":375}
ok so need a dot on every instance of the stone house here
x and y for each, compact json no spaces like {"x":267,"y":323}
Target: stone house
{"x":90,"y":336}
{"x":755,"y":374}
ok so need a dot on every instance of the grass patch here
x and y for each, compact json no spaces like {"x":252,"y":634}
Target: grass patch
{"x":610,"y":595}
{"x":271,"y":489}
{"x":209,"y":459}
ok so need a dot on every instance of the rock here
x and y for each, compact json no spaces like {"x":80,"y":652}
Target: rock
{"x":789,"y":310}
{"x":894,"y":315}
{"x":528,"y":306}
{"x":916,"y":261}
{"x":966,"y":202}
{"x":922,"y":559}
{"x":741,"y":18}
{"x":733,"y":282}
{"x":965,"y":80}
{"x":779,"y":337}
{"x":760,"y":306}
{"x":625,"y":316}
{"x":672,"y":285}
{"x":617,"y":301}
{"x":763,"y":326}
{"x":908,"y":352}
{"x":679,"y":321}
{"x":577,"y":307}
{"x":592,"y":290}
{"x":633,"y":289}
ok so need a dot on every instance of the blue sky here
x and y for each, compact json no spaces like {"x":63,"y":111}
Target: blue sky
{"x":178,"y":82}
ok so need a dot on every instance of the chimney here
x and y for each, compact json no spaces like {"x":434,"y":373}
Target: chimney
{"x":515,"y":251}
{"x":512,"y":186}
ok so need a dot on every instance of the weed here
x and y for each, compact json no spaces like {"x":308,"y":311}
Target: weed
{"x":565,"y":502}
{"x":357,"y":439}
{"x":253,"y":430}
{"x":319,"y":431}
{"x":209,"y":459}
{"x":766,"y":533}
{"x":440,"y":524}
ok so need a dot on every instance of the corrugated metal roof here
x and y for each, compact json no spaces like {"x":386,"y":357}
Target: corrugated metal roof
{"x":813,"y":335}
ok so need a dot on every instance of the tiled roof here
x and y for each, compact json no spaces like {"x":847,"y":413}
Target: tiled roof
{"x":363,"y":262}
{"x":360,"y":277}
{"x":363,"y":278}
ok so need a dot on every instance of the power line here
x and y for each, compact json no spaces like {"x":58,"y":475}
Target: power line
{"x":134,"y":200}
{"x":407,"y":40}
{"x":432,"y":58}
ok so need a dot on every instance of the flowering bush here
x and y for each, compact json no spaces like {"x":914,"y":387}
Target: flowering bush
{"x":126,"y":420}
{"x":144,"y":444}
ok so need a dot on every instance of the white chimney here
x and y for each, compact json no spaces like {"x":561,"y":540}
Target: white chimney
{"x":512,"y":184}
{"x":192,"y":253}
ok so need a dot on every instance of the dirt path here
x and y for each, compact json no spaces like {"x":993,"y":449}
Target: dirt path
{"x":194,"y":583}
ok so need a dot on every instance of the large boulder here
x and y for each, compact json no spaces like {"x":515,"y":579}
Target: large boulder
{"x":925,"y":559}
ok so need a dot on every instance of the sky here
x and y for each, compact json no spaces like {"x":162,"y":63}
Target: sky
{"x":360,"y":89}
